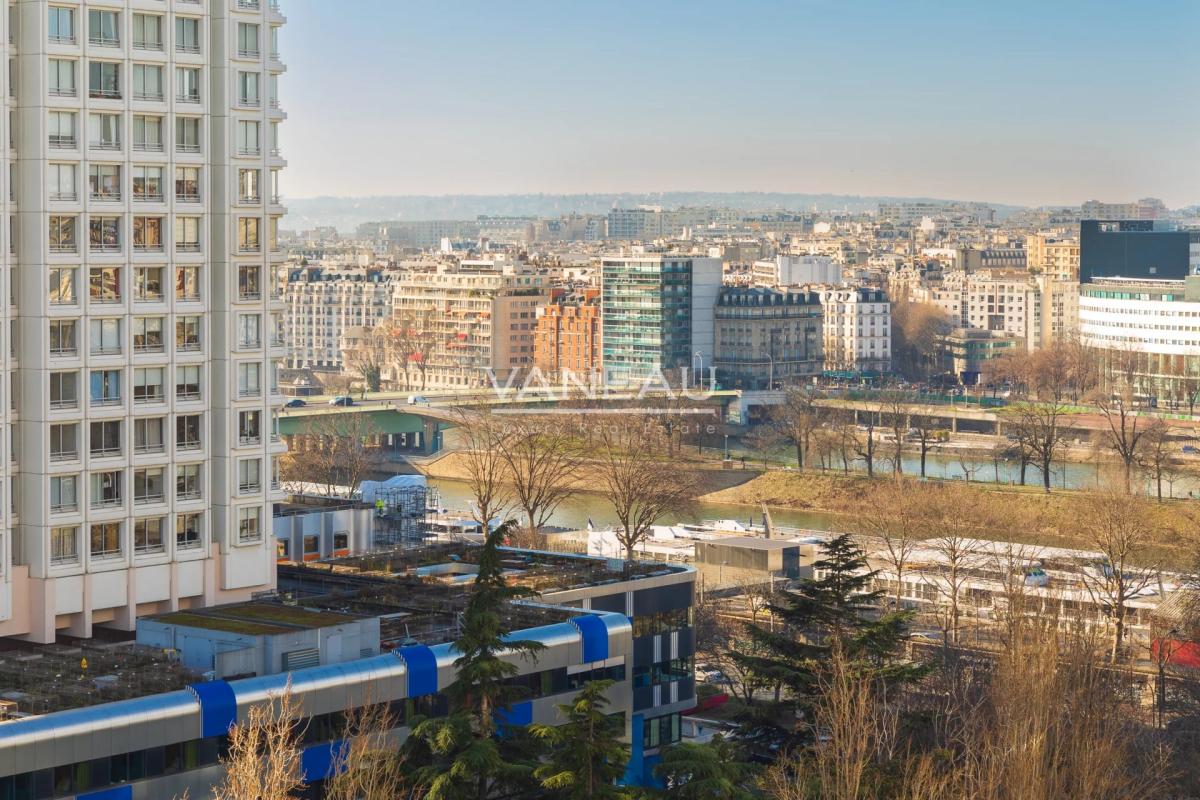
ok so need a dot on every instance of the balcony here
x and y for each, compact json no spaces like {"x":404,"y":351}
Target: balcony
{"x":60,"y":142}
{"x":250,"y":198}
{"x":187,"y":197}
{"x":63,"y":91}
{"x":64,"y":508}
{"x":186,"y":147}
{"x":62,"y":38}
{"x":105,"y":452}
{"x":188,"y":97}
{"x":148,"y":247}
{"x":149,"y":348}
{"x":187,"y":347}
{"x":104,"y":94}
{"x":105,"y":195}
{"x":63,"y":352}
{"x":104,"y":247}
{"x":254,"y":54}
{"x":145,"y":499}
{"x":249,"y":391}
{"x":184,"y":47}
{"x":149,"y":449}
{"x":253,"y":487}
{"x":147,"y":197}
{"x":249,"y":344}
{"x":145,"y":45}
{"x":106,"y":502}
{"x":249,"y":5}
{"x":148,"y":147}
{"x":184,"y":395}
{"x":101,"y":40}
{"x":187,"y":494}
{"x":188,"y":444}
{"x":64,"y":196}
{"x":105,"y":401}
{"x":105,"y":350}
{"x":153,"y":97}
{"x":64,"y":403}
{"x":187,"y":247}
{"x":247,"y":295}
{"x":250,"y":151}
{"x":64,"y":455}
{"x":64,"y":247}
{"x":148,"y":397}
{"x":249,"y":247}
{"x":105,"y":144}
{"x":249,"y":440}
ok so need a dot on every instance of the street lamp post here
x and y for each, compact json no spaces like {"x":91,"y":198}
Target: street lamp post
{"x":770,"y":372}
{"x":700,"y":372}
{"x":727,"y":447}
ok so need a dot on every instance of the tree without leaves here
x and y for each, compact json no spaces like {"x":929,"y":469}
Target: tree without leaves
{"x":797,"y":420}
{"x":1042,"y":426}
{"x":1157,"y":456}
{"x":337,"y":451}
{"x":263,"y":761}
{"x":543,"y":457}
{"x":413,"y":338}
{"x":892,"y":515}
{"x":367,"y":766}
{"x":1122,"y":528}
{"x":481,"y":434}
{"x":639,"y":483}
{"x":585,"y":754}
{"x":894,"y":414}
{"x":1124,"y":431}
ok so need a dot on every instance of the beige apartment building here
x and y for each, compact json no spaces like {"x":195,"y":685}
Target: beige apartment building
{"x":1037,"y":309}
{"x":476,"y":317}
{"x":1052,"y":256}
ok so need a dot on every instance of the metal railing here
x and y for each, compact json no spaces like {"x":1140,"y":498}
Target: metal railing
{"x":60,"y":142}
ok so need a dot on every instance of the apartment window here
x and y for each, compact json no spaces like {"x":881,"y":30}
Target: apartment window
{"x":248,"y":229}
{"x":248,"y":190}
{"x":273,"y":91}
{"x":104,"y":438}
{"x":62,"y":25}
{"x":187,"y":382}
{"x":148,"y":283}
{"x":147,"y":182}
{"x":106,"y":536}
{"x":104,"y":285}
{"x":105,"y":387}
{"x":276,"y":194}
{"x":274,"y":138}
{"x":249,"y":427}
{"x":187,"y":184}
{"x":64,"y":390}
{"x":104,"y":27}
{"x":187,"y":432}
{"x":249,"y":379}
{"x":64,"y":493}
{"x":61,"y":127}
{"x":249,"y":524}
{"x":248,"y":142}
{"x":147,"y":82}
{"x":61,"y":78}
{"x":147,"y":133}
{"x":187,"y":134}
{"x":104,"y":336}
{"x":250,"y":475}
{"x":64,"y":442}
{"x":249,"y":282}
{"x":148,"y":535}
{"x":187,"y":531}
{"x":187,"y":281}
{"x":147,"y":234}
{"x":275,"y":41}
{"x":104,"y":131}
{"x":187,"y":234}
{"x":147,"y":32}
{"x":187,"y":334}
{"x":62,"y":234}
{"x":187,"y":482}
{"x":63,"y":337}
{"x":64,"y":545}
{"x":60,"y":180}
{"x":104,"y":181}
{"x":62,"y":285}
{"x":104,"y":234}
{"x":248,"y":89}
{"x":104,"y":80}
{"x":148,"y":485}
{"x":148,"y":385}
{"x":148,"y":335}
{"x":148,"y":435}
{"x":249,"y":331}
{"x":187,"y":84}
{"x":247,"y":40}
{"x":187,"y":34}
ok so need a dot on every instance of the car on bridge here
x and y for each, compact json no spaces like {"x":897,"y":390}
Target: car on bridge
{"x":342,"y":400}
{"x":295,"y":402}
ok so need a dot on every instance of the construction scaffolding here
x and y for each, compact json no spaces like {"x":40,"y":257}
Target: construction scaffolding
{"x":403,"y":515}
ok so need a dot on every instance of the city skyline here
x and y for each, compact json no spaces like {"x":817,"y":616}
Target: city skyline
{"x":1042,"y":106}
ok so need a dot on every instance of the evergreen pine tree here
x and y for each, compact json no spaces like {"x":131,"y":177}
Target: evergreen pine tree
{"x":713,"y":771}
{"x":837,"y":609}
{"x":586,"y":756}
{"x":460,"y":756}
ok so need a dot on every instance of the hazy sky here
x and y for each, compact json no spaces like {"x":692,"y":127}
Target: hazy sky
{"x":1022,"y":101}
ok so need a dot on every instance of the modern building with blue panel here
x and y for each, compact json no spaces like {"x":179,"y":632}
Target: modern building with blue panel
{"x":594,"y":618}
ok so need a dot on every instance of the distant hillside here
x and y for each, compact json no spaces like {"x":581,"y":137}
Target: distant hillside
{"x":346,"y":213}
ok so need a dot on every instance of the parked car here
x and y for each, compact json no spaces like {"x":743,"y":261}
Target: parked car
{"x":295,"y":402}
{"x":342,"y":400}
{"x":415,"y":399}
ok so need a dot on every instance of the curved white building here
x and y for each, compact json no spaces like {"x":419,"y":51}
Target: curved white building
{"x":1155,"y":324}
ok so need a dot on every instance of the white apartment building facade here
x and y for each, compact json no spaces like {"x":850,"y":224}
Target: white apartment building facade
{"x":1038,"y":310}
{"x":322,"y":304}
{"x":857,"y":330}
{"x":792,"y":270}
{"x":143,"y":208}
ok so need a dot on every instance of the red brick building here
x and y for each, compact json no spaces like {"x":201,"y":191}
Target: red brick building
{"x":567,"y":337}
